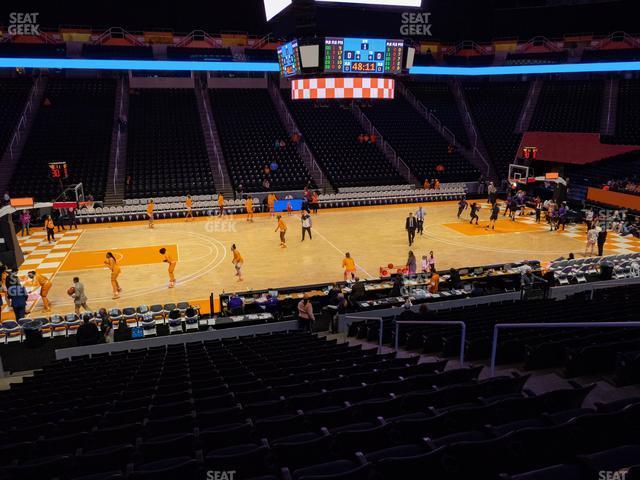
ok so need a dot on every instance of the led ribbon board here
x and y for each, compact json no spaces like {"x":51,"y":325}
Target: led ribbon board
{"x":199,"y":66}
{"x":341,"y":87}
{"x":527,"y":69}
{"x":165,"y":65}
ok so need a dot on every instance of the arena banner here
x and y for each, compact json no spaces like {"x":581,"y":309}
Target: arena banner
{"x":616,"y":199}
{"x":342,"y":87}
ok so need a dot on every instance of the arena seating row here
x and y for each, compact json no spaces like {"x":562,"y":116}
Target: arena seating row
{"x":577,"y":270}
{"x":568,"y":106}
{"x":204,"y":54}
{"x":537,"y":58}
{"x":170,"y":207}
{"x":260,"y":55}
{"x":249,"y":126}
{"x":331,"y":131}
{"x":421,"y":147}
{"x":597,"y":174}
{"x":145,"y":316}
{"x":352,"y":199}
{"x":611,"y":55}
{"x":293,"y":406}
{"x":38,"y":50}
{"x":468,"y":61}
{"x":14,"y":92}
{"x":496,"y":108}
{"x":117,"y":52}
{"x":627,"y":122}
{"x":74,"y":125}
{"x":166,"y":153}
{"x":439,"y":99}
{"x":580,"y":351}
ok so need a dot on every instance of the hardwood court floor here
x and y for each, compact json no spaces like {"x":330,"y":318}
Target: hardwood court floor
{"x":374,"y":236}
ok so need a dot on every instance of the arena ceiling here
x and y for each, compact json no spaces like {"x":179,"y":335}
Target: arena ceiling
{"x":452,"y":20}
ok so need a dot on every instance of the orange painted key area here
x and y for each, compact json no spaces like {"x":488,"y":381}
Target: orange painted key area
{"x":84,"y":260}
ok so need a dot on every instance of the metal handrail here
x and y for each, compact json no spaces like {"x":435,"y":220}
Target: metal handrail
{"x":498,"y":326}
{"x":203,"y":99}
{"x":23,"y":117}
{"x":303,"y":149}
{"x":118,"y":137}
{"x":352,"y":318}
{"x":463,"y":337}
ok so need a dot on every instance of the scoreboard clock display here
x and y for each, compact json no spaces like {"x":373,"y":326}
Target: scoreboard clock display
{"x":289,"y":58}
{"x":362,"y":55}
{"x":58,"y":170}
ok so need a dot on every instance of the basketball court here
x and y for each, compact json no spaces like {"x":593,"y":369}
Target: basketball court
{"x":374,"y":236}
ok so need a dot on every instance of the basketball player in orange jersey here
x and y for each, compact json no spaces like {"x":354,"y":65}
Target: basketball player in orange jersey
{"x":283,"y":230}
{"x":271,"y":201}
{"x":150,"y":208}
{"x":45,"y":285}
{"x":349,"y":265}
{"x":188,"y":203}
{"x":168,"y":258}
{"x":221,"y":204}
{"x":110,"y":262}
{"x":248,"y":205}
{"x":237,"y":261}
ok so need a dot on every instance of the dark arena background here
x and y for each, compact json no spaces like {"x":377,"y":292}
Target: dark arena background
{"x":320,"y":240}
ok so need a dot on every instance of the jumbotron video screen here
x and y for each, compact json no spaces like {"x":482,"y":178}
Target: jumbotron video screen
{"x":362,"y":55}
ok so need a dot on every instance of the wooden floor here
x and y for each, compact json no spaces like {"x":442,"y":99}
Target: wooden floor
{"x":374,"y":236}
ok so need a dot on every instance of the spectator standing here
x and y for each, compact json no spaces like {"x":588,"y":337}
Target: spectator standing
{"x":602,"y":239}
{"x":305,"y":218}
{"x":305,"y":313}
{"x":25,"y":222}
{"x":17,"y":296}
{"x":411,"y":263}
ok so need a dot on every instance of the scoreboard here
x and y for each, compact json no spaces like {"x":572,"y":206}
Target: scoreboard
{"x":289,"y":58}
{"x":361,"y":55}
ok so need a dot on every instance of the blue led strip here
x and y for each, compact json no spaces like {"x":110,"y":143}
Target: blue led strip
{"x":527,"y":69}
{"x":179,"y":65}
{"x":170,"y":65}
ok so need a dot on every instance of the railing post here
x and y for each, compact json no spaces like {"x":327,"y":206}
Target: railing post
{"x":494,"y":349}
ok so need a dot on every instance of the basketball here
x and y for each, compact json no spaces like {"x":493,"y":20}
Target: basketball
{"x":390,"y":265}
{"x":71,"y":291}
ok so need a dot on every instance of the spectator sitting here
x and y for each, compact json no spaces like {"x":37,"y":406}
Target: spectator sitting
{"x":454,"y":278}
{"x":407,"y":315}
{"x":357,"y":291}
{"x":235,"y":304}
{"x":88,"y":333}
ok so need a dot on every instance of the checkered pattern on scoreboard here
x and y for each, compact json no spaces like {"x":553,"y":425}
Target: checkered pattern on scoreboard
{"x":319,"y":88}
